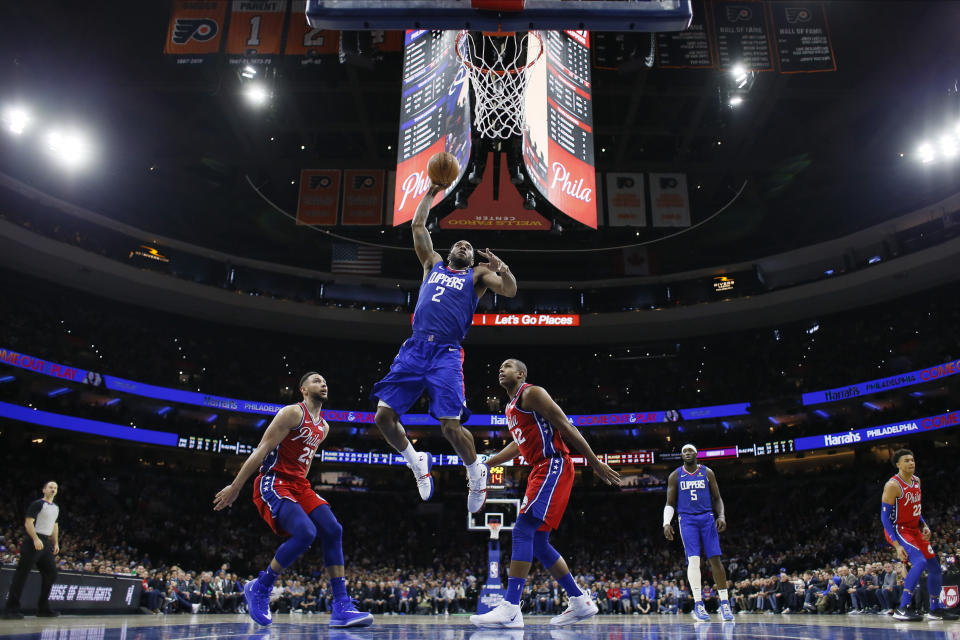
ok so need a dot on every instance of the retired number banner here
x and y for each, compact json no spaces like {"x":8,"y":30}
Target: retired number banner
{"x":196,"y":27}
{"x":319,"y":197}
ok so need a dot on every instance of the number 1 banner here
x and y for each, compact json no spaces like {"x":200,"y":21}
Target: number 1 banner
{"x":256,"y":31}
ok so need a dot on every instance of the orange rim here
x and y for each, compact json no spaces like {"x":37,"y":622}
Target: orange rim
{"x":519,"y":69}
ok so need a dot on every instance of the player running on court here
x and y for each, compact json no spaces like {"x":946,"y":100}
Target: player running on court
{"x":285,"y":499}
{"x":905,"y":529}
{"x":694,"y":486}
{"x":540,"y":431}
{"x":432,"y":359}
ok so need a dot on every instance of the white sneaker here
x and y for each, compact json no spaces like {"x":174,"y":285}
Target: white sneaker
{"x":421,"y":471}
{"x":503,"y":616}
{"x":579,"y":608}
{"x":195,"y":607}
{"x":477,"y":491}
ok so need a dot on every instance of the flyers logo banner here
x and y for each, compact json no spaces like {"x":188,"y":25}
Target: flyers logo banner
{"x":797,"y":14}
{"x":626,"y":201}
{"x":362,"y":197}
{"x":802,"y":38}
{"x":741,"y":35}
{"x":256,"y":29}
{"x":669,"y":200}
{"x":319,"y":197}
{"x":738,"y":13}
{"x":195,"y":29}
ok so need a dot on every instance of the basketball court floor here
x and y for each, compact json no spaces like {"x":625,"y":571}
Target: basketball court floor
{"x":302,"y":627}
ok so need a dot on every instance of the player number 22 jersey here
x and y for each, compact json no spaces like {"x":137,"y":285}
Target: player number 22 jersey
{"x":292,"y":456}
{"x":693,"y":495}
{"x":906,"y":510}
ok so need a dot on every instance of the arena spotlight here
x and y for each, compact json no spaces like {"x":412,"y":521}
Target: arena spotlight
{"x":948,"y":147}
{"x":256,"y":94}
{"x":926,"y":153}
{"x":530,"y":201}
{"x":735,"y":101}
{"x":69,"y":147}
{"x":248,"y":72}
{"x":16,"y":119}
{"x":740,"y":75}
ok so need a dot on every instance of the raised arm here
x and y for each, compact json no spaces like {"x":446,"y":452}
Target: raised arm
{"x":718,"y":509}
{"x":670,"y":508}
{"x":509,"y":452}
{"x":495,"y":275}
{"x":286,"y":419}
{"x":537,"y":399}
{"x":422,"y":243}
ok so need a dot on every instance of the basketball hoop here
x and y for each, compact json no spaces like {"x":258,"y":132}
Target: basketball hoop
{"x":494,"y":530}
{"x":499,"y":64}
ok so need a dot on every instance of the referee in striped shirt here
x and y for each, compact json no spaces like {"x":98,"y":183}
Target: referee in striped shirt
{"x":44,"y":544}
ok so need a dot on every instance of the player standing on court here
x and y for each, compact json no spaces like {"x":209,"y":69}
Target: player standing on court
{"x":540,"y":431}
{"x":694,"y":486}
{"x":432,"y":358}
{"x":904,"y":528}
{"x":285,"y":499}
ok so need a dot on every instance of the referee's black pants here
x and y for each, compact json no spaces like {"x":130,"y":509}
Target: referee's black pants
{"x":45,"y":564}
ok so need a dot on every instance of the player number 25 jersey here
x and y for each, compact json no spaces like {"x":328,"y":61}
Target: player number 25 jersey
{"x":536,"y":437}
{"x":292,"y":456}
{"x":693,"y":491}
{"x":906,"y":510}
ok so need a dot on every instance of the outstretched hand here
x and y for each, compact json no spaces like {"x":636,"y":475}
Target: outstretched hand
{"x":494,"y":263}
{"x":225,"y":497}
{"x":607,"y":473}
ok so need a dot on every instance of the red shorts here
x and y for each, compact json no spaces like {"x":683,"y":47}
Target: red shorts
{"x":548,"y":491}
{"x":270,"y":490}
{"x":912,"y":540}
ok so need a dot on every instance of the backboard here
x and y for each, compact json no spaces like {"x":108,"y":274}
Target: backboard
{"x":504,"y":511}
{"x":503,"y":15}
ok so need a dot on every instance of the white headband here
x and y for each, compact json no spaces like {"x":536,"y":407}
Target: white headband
{"x":688,"y":446}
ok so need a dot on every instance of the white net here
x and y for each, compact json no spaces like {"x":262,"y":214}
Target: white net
{"x":498,"y":65}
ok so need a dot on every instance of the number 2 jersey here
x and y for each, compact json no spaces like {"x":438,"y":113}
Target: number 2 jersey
{"x":446,"y":303}
{"x":693,"y":495}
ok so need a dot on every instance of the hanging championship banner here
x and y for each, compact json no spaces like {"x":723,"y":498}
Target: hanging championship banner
{"x":626,"y":200}
{"x":362,"y":197}
{"x":687,"y":49}
{"x":802,"y":37}
{"x":741,"y":35}
{"x":319,"y":197}
{"x":669,"y":200}
{"x":195,"y":30}
{"x":256,"y":31}
{"x":306,"y":42}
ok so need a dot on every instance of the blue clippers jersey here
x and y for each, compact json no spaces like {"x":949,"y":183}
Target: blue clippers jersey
{"x":446,"y":303}
{"x":693,"y":495}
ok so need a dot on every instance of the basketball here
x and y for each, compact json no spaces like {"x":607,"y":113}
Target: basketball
{"x":443,"y":168}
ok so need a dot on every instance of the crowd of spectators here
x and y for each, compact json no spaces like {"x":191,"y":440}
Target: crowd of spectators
{"x":124,"y":514}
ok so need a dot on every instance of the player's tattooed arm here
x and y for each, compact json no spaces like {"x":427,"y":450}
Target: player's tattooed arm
{"x":537,"y":399}
{"x":286,"y":419}
{"x":672,"y":487}
{"x":509,"y":452}
{"x":422,"y":243}
{"x":718,"y":509}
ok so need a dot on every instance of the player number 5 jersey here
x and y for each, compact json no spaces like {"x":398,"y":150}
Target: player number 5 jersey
{"x":292,"y":456}
{"x":693,"y":491}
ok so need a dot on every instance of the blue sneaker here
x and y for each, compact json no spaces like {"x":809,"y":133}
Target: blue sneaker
{"x":725,"y":612}
{"x":258,"y":602}
{"x":700,"y":613}
{"x":345,"y":614}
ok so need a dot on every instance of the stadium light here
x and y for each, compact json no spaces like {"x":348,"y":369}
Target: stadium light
{"x":16,"y":119}
{"x":735,"y":101}
{"x":249,"y":72}
{"x":256,"y":94}
{"x":70,"y":148}
{"x":926,"y":152}
{"x":948,"y":147}
{"x":740,"y":75}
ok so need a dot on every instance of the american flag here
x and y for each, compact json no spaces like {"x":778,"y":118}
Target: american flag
{"x":354,"y":258}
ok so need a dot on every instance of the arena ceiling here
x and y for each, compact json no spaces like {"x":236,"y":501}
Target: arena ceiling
{"x":821,"y":152}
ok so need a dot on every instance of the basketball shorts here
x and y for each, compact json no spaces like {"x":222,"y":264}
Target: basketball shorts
{"x":270,"y":490}
{"x":912,"y":540}
{"x":699,"y":535}
{"x":422,"y":365}
{"x":548,"y":491}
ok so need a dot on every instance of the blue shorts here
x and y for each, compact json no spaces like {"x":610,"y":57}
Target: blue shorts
{"x":699,"y":535}
{"x":422,"y":365}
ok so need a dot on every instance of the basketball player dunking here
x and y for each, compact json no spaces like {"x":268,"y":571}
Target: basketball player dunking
{"x":540,"y":431}
{"x":285,"y":499}
{"x":694,"y":486}
{"x":432,"y":359}
{"x":905,"y":529}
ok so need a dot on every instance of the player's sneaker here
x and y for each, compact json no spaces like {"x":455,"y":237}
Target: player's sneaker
{"x":258,"y":601}
{"x":421,"y":471}
{"x":941,"y":614}
{"x":906,"y":616}
{"x":477,"y":491}
{"x":699,"y":613}
{"x":727,"y":614}
{"x":579,"y":608}
{"x":344,"y":613}
{"x":503,"y":616}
